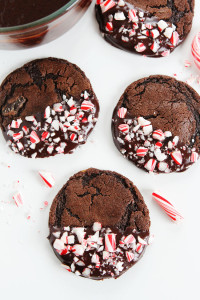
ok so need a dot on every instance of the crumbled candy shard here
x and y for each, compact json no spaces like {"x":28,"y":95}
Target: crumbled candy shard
{"x":18,"y":199}
{"x":48,"y":178}
{"x":167,"y":207}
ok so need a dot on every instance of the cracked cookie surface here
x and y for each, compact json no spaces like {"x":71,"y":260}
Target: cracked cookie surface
{"x":103,"y":197}
{"x":153,"y":28}
{"x":156,"y":124}
{"x":47,"y":107}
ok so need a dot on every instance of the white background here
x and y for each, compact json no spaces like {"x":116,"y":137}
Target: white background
{"x":170,"y":268}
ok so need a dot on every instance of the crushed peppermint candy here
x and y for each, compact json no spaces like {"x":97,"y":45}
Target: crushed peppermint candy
{"x":97,"y":252}
{"x":48,"y":178}
{"x":59,"y":129}
{"x":136,"y":30}
{"x":17,"y":197}
{"x":151,"y":149}
{"x":167,"y":207}
{"x":196,"y":50}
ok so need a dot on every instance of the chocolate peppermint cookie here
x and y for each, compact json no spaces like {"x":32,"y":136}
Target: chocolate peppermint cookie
{"x":156,"y":124}
{"x":99,"y":224}
{"x":47,"y":107}
{"x":148,"y":27}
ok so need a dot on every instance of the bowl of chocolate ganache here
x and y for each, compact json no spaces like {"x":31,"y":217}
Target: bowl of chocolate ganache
{"x":34,"y":22}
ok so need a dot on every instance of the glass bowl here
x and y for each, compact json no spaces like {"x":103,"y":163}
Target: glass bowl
{"x":44,"y":30}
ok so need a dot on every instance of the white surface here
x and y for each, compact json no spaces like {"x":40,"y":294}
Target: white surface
{"x":170,"y":268}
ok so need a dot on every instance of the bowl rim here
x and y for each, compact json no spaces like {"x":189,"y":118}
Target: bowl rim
{"x":41,"y":21}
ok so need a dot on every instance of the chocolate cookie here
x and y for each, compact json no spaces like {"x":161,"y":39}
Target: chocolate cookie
{"x":99,"y":224}
{"x":148,"y":27}
{"x":47,"y":107}
{"x":156,"y":124}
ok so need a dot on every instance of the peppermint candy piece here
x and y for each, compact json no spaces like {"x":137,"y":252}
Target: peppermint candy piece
{"x":141,"y":151}
{"x":155,"y":33}
{"x":165,"y":53}
{"x":162,"y":25}
{"x":97,"y":226}
{"x":141,"y":241}
{"x":175,"y":38}
{"x":143,"y":122}
{"x":58,"y":244}
{"x":106,"y":5}
{"x":194,"y":157}
{"x":129,"y":239}
{"x":34,"y":138}
{"x":177,"y":157}
{"x":45,"y":135}
{"x":168,"y":32}
{"x":16,"y":124}
{"x":73,"y":137}
{"x":163,"y":166}
{"x":119,"y":16}
{"x":18,"y":199}
{"x":78,"y":250}
{"x":154,"y":47}
{"x":86,"y":272}
{"x":147,"y":129}
{"x":48,"y":178}
{"x":158,"y":135}
{"x":150,"y":165}
{"x":196,"y":50}
{"x":58,"y":107}
{"x":124,"y":128}
{"x":105,"y":255}
{"x":87,"y":105}
{"x":122,"y":112}
{"x":132,"y":15}
{"x":110,"y":242}
{"x":140,"y":47}
{"x":47,"y":112}
{"x":109,"y":26}
{"x":129,"y":256}
{"x":167,"y":207}
{"x":17,"y":136}
{"x":95,"y":259}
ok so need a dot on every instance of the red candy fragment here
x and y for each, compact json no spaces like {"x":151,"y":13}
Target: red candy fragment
{"x":129,"y":239}
{"x":177,"y":157}
{"x":73,"y":137}
{"x":45,"y":135}
{"x":109,"y":26}
{"x":87,"y":105}
{"x":167,"y":207}
{"x":18,"y":199}
{"x":129,"y":256}
{"x":150,"y":165}
{"x":17,"y":136}
{"x":123,"y":128}
{"x":110,"y":242}
{"x":106,"y":5}
{"x":158,"y":135}
{"x":140,"y":47}
{"x":132,"y":15}
{"x":34,"y":137}
{"x":194,"y":157}
{"x":48,"y":178}
{"x":122,"y":112}
{"x":141,"y":151}
{"x":175,"y":38}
